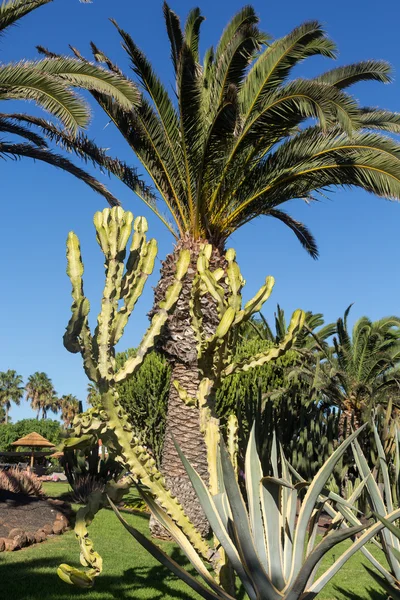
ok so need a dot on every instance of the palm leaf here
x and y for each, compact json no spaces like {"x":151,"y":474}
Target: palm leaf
{"x":13,"y":10}
{"x":15,"y":151}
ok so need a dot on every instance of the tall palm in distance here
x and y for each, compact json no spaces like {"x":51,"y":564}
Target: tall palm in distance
{"x":40,"y":391}
{"x":70,"y":407}
{"x":11,"y":390}
{"x":50,"y":83}
{"x":233,"y":142}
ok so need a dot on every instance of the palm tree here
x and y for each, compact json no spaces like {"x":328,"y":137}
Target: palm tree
{"x":232,"y":143}
{"x":49,"y":83}
{"x":362,"y":369}
{"x":40,"y":391}
{"x":93,"y":395}
{"x":70,"y":407}
{"x":11,"y":390}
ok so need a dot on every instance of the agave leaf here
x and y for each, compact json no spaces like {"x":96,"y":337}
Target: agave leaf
{"x":310,"y":499}
{"x":313,"y":559}
{"x":289,"y":507}
{"x":211,"y":512}
{"x":253,"y":477}
{"x":377,"y":502}
{"x":262,"y":583}
{"x":166,"y":560}
{"x":384,"y":469}
{"x":270,"y":503}
{"x":359,"y":543}
{"x":182,"y":541}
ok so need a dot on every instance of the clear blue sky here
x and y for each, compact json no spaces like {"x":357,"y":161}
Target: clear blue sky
{"x":357,"y":233}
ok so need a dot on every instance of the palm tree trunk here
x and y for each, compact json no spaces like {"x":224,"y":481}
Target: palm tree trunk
{"x":178,"y":344}
{"x":6,"y":413}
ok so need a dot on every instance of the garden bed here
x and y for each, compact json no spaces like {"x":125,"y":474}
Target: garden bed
{"x":28,"y":520}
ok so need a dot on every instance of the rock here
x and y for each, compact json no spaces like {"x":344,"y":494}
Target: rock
{"x":58,"y":527}
{"x":40,"y":536}
{"x":30,"y":539}
{"x":48,"y":529}
{"x":2,"y":545}
{"x":62,"y":518}
{"x":20,"y":541}
{"x":14,"y":532}
{"x":10,"y":545}
{"x":56,"y":502}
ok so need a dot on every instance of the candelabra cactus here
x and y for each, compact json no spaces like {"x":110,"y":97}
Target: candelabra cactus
{"x":124,"y":282}
{"x":123,"y":286}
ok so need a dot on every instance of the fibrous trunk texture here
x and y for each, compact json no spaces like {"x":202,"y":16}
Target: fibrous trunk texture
{"x":178,"y":344}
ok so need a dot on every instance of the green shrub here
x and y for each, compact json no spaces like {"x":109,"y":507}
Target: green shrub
{"x":11,"y":432}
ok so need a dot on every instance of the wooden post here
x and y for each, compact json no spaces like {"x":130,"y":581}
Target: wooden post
{"x":32,"y":457}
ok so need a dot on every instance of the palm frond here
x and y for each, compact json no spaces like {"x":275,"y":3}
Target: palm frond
{"x":12,"y":10}
{"x":369,"y":70}
{"x":16,"y":151}
{"x":8,"y":125}
{"x":192,"y":31}
{"x":383,"y":120}
{"x":175,"y":34}
{"x":310,"y":162}
{"x":24,"y":81}
{"x":83,"y":74}
{"x":302,"y":233}
{"x":275,"y":63}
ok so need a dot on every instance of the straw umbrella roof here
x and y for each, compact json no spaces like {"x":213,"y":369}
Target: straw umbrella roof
{"x":33,"y":440}
{"x":57,"y":455}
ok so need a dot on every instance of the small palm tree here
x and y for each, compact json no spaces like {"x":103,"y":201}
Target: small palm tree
{"x":11,"y":390}
{"x":236,"y":140}
{"x":49,"y":83}
{"x":362,"y":369}
{"x":40,"y":391}
{"x":69,"y":406}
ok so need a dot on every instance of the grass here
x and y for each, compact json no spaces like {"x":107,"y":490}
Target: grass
{"x":129,"y":572}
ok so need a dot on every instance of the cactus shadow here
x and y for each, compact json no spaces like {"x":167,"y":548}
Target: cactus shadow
{"x":37,"y":578}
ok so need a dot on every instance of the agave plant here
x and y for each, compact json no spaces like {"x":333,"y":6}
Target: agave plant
{"x":382,"y":502}
{"x":265,"y":542}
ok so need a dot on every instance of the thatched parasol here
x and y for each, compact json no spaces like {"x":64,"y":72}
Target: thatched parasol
{"x":33,"y":440}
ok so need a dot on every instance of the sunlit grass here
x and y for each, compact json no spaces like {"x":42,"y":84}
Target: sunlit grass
{"x":129,"y":572}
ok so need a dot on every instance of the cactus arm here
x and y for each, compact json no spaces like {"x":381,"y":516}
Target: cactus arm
{"x":88,"y":557}
{"x":109,"y":224}
{"x":159,"y":319}
{"x":233,"y":440}
{"x":234,"y":280}
{"x":256,"y":303}
{"x":143,"y":466}
{"x":183,"y":395}
{"x":296,"y":324}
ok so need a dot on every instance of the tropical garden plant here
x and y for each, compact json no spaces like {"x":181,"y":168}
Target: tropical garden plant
{"x":235,"y":142}
{"x":361,"y":370}
{"x":11,"y":390}
{"x":108,"y":421}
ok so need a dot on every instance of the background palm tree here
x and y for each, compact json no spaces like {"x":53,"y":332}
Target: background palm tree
{"x":362,"y":369}
{"x":11,"y":390}
{"x":235,"y":142}
{"x":70,"y":407}
{"x":93,"y":395}
{"x":40,"y":391}
{"x":49,"y":83}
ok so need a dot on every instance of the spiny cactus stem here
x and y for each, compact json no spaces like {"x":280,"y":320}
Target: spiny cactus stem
{"x":143,"y":467}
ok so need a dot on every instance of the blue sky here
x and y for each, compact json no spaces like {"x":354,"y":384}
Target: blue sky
{"x":357,"y":233}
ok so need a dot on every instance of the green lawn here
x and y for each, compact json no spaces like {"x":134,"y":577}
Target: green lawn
{"x":129,"y":572}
